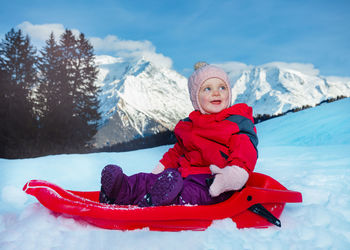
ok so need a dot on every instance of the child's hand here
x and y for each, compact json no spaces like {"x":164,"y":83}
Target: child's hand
{"x":227,"y":179}
{"x":158,"y":169}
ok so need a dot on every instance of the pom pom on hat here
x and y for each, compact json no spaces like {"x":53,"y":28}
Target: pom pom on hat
{"x":199,"y":65}
{"x":204,"y":71}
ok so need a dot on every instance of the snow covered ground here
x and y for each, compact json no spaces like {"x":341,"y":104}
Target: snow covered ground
{"x":308,"y":151}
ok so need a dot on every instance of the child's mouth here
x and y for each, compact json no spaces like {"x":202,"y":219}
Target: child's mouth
{"x":216,"y":102}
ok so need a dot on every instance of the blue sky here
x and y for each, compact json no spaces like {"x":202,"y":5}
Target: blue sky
{"x":181,"y":32}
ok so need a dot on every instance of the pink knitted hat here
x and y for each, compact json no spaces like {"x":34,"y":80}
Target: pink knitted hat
{"x":203,"y":72}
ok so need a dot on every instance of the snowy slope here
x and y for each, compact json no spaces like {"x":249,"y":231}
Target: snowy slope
{"x":139,"y":98}
{"x":306,"y":151}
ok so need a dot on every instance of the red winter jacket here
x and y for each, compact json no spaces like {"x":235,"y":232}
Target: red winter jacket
{"x":224,"y":139}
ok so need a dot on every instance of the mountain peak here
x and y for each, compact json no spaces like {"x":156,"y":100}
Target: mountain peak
{"x":138,"y":99}
{"x":278,"y":87}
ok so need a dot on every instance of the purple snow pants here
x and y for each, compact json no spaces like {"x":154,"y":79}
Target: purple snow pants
{"x":195,"y":190}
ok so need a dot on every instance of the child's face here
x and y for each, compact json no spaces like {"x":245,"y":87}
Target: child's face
{"x":213,"y":96}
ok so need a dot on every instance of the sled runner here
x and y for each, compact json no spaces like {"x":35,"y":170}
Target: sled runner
{"x":259,"y":204}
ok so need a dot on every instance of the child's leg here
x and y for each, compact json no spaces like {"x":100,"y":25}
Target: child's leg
{"x":111,"y":178}
{"x":165,"y":189}
{"x":137,"y":186}
{"x":118,"y":188}
{"x":196,"y":191}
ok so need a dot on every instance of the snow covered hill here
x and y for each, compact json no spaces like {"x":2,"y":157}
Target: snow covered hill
{"x":139,"y":98}
{"x":307,"y":151}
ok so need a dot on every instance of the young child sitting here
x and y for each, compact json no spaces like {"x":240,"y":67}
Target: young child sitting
{"x":215,"y":152}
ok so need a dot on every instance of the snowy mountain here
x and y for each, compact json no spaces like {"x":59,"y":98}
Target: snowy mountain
{"x":139,"y":98}
{"x":275,"y":88}
{"x":307,"y":151}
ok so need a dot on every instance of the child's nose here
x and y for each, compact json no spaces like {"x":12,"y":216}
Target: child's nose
{"x":216,"y":92}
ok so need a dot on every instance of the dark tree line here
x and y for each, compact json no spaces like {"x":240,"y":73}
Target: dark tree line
{"x":162,"y":138}
{"x":48,"y":99}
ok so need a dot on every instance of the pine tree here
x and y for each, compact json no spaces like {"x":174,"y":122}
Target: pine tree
{"x":18,"y":66}
{"x":5,"y":126}
{"x":87,"y":91}
{"x":68,"y":93}
{"x":50,"y":98}
{"x":49,"y":92}
{"x":18,"y":60}
{"x":80,"y":73}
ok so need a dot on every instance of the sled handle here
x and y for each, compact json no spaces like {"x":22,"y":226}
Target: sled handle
{"x":267,"y":195}
{"x":263,"y":212}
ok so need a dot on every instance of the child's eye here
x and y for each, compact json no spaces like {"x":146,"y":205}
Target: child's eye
{"x":206,"y":89}
{"x":222,"y":87}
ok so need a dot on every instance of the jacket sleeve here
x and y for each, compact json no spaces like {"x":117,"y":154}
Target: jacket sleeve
{"x":243,"y":144}
{"x":171,"y":158}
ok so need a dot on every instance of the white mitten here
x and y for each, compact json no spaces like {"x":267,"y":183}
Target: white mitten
{"x":158,"y":169}
{"x":227,"y":179}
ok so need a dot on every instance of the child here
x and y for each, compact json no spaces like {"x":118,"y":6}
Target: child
{"x":215,"y":152}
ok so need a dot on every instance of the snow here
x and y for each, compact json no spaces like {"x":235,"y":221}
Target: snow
{"x":306,"y":151}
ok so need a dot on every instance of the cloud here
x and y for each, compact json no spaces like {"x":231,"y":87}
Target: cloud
{"x":305,"y":68}
{"x":130,"y":48}
{"x":234,"y":69}
{"x":111,"y":44}
{"x":39,"y":33}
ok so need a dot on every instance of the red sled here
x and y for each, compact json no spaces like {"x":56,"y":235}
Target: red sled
{"x":259,"y":205}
